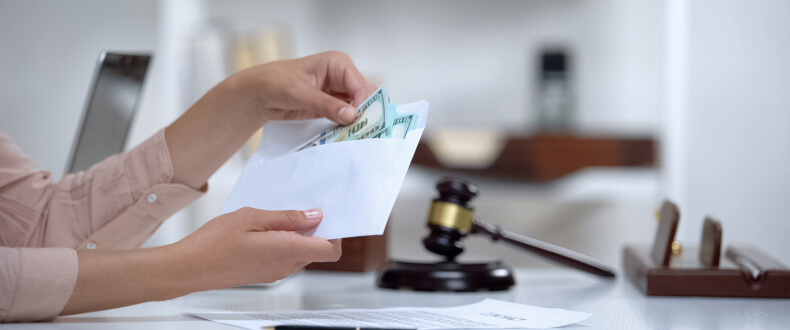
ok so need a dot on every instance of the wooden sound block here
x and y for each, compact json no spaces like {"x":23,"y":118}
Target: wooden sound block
{"x":686,"y":276}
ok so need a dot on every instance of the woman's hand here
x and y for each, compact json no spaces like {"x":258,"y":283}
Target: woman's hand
{"x":322,"y":85}
{"x":254,"y":246}
{"x":244,"y":247}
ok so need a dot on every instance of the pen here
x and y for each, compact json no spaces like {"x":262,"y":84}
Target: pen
{"x":318,"y":327}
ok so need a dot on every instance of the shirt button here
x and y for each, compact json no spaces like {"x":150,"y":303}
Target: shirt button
{"x":90,"y":245}
{"x":151,"y":198}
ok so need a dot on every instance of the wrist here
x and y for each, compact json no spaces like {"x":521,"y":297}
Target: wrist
{"x":173,"y":274}
{"x":246,"y":95}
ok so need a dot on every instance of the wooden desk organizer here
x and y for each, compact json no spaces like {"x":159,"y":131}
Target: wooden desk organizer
{"x":744,"y":272}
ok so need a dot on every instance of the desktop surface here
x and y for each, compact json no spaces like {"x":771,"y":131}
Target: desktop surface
{"x":614,"y":304}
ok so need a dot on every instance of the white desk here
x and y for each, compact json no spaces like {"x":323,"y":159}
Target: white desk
{"x":614,"y":305}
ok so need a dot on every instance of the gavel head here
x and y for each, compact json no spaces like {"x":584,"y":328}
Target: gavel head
{"x":450,"y":217}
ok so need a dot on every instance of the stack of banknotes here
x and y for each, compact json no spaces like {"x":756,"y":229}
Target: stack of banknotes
{"x":377,"y":118}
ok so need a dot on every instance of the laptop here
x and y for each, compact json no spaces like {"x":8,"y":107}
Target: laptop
{"x":112,"y":103}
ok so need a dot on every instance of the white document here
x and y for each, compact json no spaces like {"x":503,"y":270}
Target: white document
{"x":487,"y":314}
{"x":354,"y":182}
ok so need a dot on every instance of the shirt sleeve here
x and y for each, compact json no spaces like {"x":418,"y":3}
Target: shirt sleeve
{"x":35,"y":283}
{"x":116,"y":204}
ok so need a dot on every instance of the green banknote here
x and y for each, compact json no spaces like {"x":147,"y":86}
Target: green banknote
{"x":402,"y":125}
{"x":376,"y":118}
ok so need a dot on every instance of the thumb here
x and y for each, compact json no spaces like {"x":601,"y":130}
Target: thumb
{"x":329,"y":106}
{"x":290,"y":220}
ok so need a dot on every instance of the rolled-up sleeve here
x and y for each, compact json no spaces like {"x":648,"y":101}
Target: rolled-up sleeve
{"x":36,"y":282}
{"x":116,"y":204}
{"x":134,"y":212}
{"x":124,"y":199}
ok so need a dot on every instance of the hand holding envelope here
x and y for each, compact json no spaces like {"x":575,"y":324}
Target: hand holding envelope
{"x":355,"y":182}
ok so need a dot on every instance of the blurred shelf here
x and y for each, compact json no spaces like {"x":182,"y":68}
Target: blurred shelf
{"x":547,"y":157}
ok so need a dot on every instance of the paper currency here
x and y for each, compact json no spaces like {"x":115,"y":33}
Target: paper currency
{"x":375,"y":119}
{"x":402,"y":125}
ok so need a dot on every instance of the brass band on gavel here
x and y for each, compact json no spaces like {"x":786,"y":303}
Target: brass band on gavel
{"x":450,"y":215}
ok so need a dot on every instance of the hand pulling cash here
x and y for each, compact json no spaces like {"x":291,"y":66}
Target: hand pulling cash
{"x":352,"y":172}
{"x":376,"y":118}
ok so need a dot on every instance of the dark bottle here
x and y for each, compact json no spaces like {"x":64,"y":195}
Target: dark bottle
{"x":554,"y":94}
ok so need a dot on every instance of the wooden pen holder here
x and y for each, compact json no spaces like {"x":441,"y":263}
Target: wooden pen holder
{"x":700,"y":271}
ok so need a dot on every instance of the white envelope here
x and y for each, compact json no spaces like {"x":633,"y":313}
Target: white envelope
{"x":354,"y":182}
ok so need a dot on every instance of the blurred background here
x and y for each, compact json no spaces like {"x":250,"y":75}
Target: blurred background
{"x":575,"y":118}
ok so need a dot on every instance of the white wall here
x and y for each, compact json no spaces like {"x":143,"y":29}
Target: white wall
{"x":48,"y":52}
{"x":737,"y":160}
{"x":475,"y":59}
{"x":468,"y":57}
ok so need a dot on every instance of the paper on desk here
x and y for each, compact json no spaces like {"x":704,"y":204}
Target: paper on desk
{"x":354,"y":182}
{"x":489,"y":314}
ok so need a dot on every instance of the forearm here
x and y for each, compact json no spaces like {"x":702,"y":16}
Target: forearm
{"x":217,"y":125}
{"x":112,"y":279}
{"x":214,"y":128}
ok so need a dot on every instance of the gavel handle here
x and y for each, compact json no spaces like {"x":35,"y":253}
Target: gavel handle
{"x":552,"y":252}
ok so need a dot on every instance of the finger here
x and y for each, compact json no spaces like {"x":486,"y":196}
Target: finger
{"x":363,"y":92}
{"x":342,"y":96}
{"x":327,"y":106}
{"x":360,"y":97}
{"x":315,"y":249}
{"x":371,"y":87}
{"x":291,"y":220}
{"x":299,"y":115}
{"x":344,"y":77}
{"x":338,"y":242}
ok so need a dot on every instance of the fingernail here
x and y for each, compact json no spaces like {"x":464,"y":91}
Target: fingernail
{"x":347,"y":114}
{"x":314,"y":214}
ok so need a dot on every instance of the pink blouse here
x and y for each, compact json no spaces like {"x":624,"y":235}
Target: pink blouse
{"x":116,"y":204}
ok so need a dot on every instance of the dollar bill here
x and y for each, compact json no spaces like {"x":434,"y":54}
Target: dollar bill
{"x":402,"y":125}
{"x":373,"y":116}
{"x":376,"y":118}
